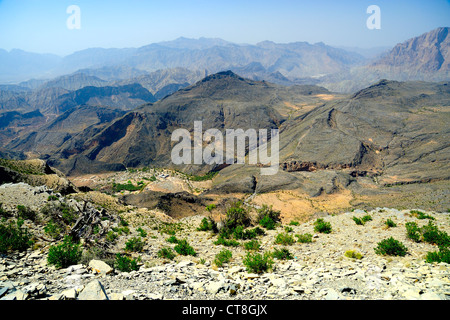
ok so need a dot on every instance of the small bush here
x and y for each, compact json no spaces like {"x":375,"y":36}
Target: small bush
{"x":166,"y":253}
{"x":134,"y":244}
{"x":65,"y":254}
{"x":288,"y":229}
{"x":225,"y":242}
{"x":304,"y":238}
{"x":321,"y":226}
{"x":268,"y":217}
{"x":258,"y":263}
{"x":52,"y":198}
{"x":14,"y":237}
{"x":390,"y":224}
{"x":252,"y":245}
{"x":210,"y":207}
{"x":111,"y":236}
{"x":294,"y":223}
{"x":282,"y":254}
{"x":236,"y":216}
{"x":222,"y":257}
{"x":125,"y":264}
{"x":207,"y":224}
{"x":172,"y":239}
{"x":26,"y":213}
{"x":52,"y":229}
{"x":366,"y":218}
{"x":184,"y":248}
{"x":443,"y":255}
{"x":421,"y":215}
{"x":413,"y":231}
{"x":433,"y":235}
{"x":142,"y":232}
{"x":353,"y":254}
{"x":284,"y":239}
{"x":358,"y":221}
{"x":391,"y":247}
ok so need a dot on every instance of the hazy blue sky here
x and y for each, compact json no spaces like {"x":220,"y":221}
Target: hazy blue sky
{"x":40,"y":25}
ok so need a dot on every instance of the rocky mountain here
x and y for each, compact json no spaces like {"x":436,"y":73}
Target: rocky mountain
{"x":424,"y":58}
{"x":223,"y":100}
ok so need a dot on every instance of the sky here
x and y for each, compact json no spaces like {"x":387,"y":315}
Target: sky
{"x":41,"y":25}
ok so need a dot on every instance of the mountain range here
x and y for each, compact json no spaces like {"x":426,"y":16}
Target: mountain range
{"x":119,"y":114}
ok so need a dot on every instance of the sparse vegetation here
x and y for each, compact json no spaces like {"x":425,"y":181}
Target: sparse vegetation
{"x":390,"y":224}
{"x":284,"y":239}
{"x":258,"y":263}
{"x":166,"y":253}
{"x":304,"y":238}
{"x":252,"y":245}
{"x":267,"y":217}
{"x":322,"y":226}
{"x":184,"y":248}
{"x":125,"y":263}
{"x":282,"y":254}
{"x":134,"y":244}
{"x":353,"y":254}
{"x":65,"y":254}
{"x":391,"y":247}
{"x":222,"y":257}
{"x":13,"y":237}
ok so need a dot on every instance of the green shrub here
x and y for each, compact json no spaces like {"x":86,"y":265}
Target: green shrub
{"x":111,"y":236}
{"x":210,"y":207}
{"x":358,"y":221}
{"x":65,"y":254}
{"x":268,"y":217}
{"x":366,"y":218}
{"x":252,"y":245}
{"x":443,"y":255}
{"x":166,"y":253}
{"x":258,"y":263}
{"x":433,"y":235}
{"x":221,"y":240}
{"x":207,"y":224}
{"x":236,"y":216}
{"x":184,"y":248}
{"x":134,"y":244}
{"x":14,"y":237}
{"x":284,"y":239}
{"x":321,"y":226}
{"x":353,"y":254}
{"x":294,"y":223}
{"x":390,"y":224}
{"x":26,"y":213}
{"x":288,"y":229}
{"x":282,"y":254}
{"x":222,"y":257}
{"x":304,"y":238}
{"x":118,"y":187}
{"x":125,"y":264}
{"x":52,"y":229}
{"x":142,"y":232}
{"x":391,"y":247}
{"x":421,"y":215}
{"x":413,"y":231}
{"x":172,"y":239}
{"x":52,"y":198}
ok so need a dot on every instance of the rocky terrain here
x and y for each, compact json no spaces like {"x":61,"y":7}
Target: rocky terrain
{"x":317,"y":270}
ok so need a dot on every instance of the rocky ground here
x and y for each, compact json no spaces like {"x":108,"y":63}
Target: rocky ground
{"x":318,"y":270}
